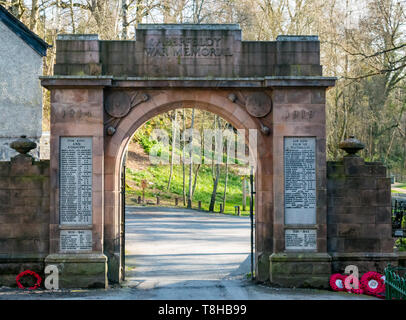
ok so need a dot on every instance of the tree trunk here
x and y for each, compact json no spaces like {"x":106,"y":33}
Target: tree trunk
{"x":34,"y":16}
{"x":216,"y":179}
{"x":14,"y":8}
{"x":214,"y":193}
{"x":58,"y":16}
{"x":202,"y":148}
{"x":72,"y":16}
{"x":195,"y":179}
{"x":191,"y":159}
{"x":213,"y":150}
{"x":174,"y":135}
{"x":183,"y":160}
{"x":124,"y":10}
{"x":166,"y":12}
{"x":227,"y":149}
{"x":225,"y":186}
{"x":244,"y":193}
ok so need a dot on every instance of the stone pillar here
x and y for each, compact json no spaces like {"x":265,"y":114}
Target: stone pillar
{"x":77,"y":150}
{"x":359,"y":215}
{"x":300,"y":257}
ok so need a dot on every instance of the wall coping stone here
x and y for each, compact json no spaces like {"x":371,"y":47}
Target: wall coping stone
{"x":77,"y":37}
{"x":76,"y":257}
{"x":76,"y":82}
{"x":363,"y":256}
{"x":341,"y":162}
{"x":187,"y":26}
{"x":300,"y":257}
{"x":297,"y":38}
{"x":22,"y":257}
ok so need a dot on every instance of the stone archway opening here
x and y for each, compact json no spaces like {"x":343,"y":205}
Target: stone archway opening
{"x":166,"y":241}
{"x":248,"y":134}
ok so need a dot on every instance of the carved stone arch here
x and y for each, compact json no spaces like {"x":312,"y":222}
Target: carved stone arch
{"x":161,"y":101}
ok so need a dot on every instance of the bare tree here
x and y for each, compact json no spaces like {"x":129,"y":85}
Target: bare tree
{"x":183,"y":157}
{"x":189,"y":203}
{"x":217,"y":173}
{"x":174,"y":137}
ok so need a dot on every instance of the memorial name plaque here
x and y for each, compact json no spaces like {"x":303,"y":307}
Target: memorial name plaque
{"x":300,"y":180}
{"x":300,"y":239}
{"x":76,"y":240}
{"x":75,"y":180}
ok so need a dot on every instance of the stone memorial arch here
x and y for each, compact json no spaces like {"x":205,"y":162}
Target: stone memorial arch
{"x":102,"y":91}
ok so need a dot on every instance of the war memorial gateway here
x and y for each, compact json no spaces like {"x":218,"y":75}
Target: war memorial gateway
{"x":312,"y":217}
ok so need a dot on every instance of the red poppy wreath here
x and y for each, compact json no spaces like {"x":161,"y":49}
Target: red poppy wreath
{"x":29,"y":273}
{"x":372,"y":283}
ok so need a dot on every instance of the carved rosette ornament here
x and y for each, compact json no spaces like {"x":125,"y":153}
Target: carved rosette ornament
{"x":117,"y":105}
{"x":257,"y":104}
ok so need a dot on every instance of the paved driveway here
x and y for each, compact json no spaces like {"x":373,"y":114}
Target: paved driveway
{"x":178,"y":245}
{"x":186,"y":254}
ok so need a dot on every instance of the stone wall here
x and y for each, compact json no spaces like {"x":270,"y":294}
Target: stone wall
{"x":20,"y":92}
{"x":24,"y":217}
{"x":359,"y":215}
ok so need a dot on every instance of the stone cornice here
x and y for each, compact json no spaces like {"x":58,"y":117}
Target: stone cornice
{"x":186,"y":82}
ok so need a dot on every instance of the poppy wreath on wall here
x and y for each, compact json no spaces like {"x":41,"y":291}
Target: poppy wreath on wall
{"x":373,"y":283}
{"x":29,"y":273}
{"x":337,"y":282}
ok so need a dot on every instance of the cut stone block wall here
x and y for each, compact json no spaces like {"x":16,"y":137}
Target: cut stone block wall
{"x":24,"y":217}
{"x":359,"y":215}
{"x":188,"y":51}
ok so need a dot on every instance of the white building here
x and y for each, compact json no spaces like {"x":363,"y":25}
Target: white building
{"x":21,"y":53}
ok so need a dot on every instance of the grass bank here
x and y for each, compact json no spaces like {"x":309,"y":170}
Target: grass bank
{"x":157,"y":178}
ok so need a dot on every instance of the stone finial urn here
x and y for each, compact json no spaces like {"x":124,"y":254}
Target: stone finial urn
{"x":23,"y":145}
{"x":351,"y":146}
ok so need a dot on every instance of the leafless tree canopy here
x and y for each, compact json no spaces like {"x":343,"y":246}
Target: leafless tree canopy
{"x":362,"y":43}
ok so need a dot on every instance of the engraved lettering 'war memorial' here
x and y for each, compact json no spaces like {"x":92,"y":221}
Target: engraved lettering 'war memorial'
{"x":187,"y":47}
{"x":188,"y":50}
